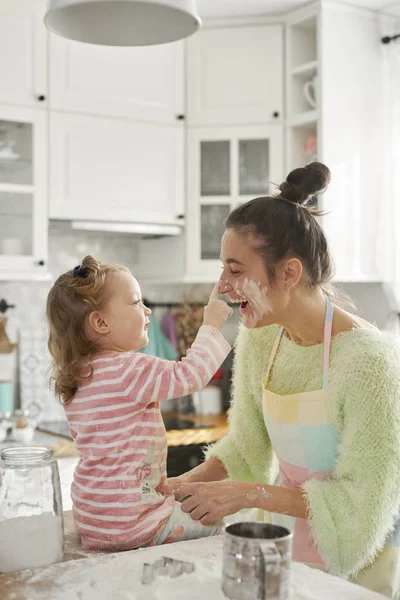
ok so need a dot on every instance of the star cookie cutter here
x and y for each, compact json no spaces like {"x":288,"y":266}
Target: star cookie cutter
{"x":166,"y":566}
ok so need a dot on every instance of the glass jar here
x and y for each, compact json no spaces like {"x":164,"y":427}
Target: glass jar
{"x":31,"y":518}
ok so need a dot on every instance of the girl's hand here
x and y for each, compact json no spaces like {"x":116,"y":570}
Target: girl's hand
{"x":210,"y":502}
{"x":171,"y":484}
{"x":217,"y":312}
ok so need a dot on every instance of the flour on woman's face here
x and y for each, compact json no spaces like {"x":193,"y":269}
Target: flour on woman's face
{"x":252,"y":296}
{"x":244,"y":279}
{"x":255,"y":303}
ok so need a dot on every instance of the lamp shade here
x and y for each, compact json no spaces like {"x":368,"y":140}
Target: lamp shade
{"x":123,"y":22}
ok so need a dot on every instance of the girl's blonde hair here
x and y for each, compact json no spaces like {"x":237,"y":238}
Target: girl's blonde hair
{"x":72,"y":298}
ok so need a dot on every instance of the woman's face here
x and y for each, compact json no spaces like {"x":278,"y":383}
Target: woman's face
{"x":244,"y":280}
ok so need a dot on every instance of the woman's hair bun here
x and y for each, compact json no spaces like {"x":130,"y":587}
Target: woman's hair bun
{"x":303,"y":184}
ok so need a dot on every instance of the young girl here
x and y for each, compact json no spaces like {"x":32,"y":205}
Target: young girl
{"x":111,"y":394}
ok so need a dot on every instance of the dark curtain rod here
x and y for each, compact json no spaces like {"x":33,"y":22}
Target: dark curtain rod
{"x":390,"y":38}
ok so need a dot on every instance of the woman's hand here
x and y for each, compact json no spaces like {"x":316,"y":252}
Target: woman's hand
{"x":209,"y":502}
{"x":211,"y":469}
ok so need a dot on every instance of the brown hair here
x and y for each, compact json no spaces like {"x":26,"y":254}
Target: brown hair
{"x":70,"y":301}
{"x":285,"y":225}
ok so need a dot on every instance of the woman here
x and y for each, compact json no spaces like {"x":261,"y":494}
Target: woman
{"x":315,"y":387}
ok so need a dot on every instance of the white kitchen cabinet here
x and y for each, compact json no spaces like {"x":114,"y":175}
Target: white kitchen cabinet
{"x":23,"y":53}
{"x":225,"y":167}
{"x":141,"y":83}
{"x":23,"y":193}
{"x":115,"y":170}
{"x":344,"y":130}
{"x":235,"y":75}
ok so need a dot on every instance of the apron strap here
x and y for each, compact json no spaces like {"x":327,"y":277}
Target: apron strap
{"x":327,"y":341}
{"x":327,"y":346}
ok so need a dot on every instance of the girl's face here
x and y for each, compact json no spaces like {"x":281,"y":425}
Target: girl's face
{"x":124,"y":320}
{"x":244,"y":280}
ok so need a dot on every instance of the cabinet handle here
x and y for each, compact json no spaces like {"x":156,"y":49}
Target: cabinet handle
{"x":180,"y":216}
{"x":4,"y":306}
{"x":41,"y":263}
{"x":275,"y":114}
{"x":41,"y":98}
{"x":180,"y":117}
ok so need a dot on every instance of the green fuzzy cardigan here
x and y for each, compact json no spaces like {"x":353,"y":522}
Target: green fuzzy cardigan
{"x":352,"y":514}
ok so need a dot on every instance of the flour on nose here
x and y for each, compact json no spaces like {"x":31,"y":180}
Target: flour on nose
{"x":224,"y":286}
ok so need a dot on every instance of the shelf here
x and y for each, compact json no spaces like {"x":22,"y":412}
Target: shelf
{"x":15,"y":161}
{"x":17,"y":188}
{"x":357,"y":279}
{"x":213,"y":200}
{"x":304,"y":118}
{"x":305,"y":68}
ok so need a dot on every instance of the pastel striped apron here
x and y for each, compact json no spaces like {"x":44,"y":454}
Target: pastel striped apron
{"x":306,"y":445}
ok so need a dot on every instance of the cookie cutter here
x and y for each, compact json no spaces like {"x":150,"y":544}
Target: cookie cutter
{"x":171,"y":567}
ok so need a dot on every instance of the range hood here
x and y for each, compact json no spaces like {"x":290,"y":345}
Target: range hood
{"x":140,"y":229}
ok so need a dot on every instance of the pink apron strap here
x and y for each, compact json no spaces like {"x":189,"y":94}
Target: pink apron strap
{"x":327,"y":346}
{"x":327,"y":341}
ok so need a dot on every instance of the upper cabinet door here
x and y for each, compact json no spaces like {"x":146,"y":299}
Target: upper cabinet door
{"x":226,"y":167}
{"x":23,"y":53}
{"x":115,"y":170}
{"x":143,"y":83}
{"x":235,"y":75}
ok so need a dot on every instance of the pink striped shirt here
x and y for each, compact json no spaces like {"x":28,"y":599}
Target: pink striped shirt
{"x":117,"y":427}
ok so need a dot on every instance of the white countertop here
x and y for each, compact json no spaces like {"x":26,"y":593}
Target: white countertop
{"x":39,"y":439}
{"x":118,"y":577}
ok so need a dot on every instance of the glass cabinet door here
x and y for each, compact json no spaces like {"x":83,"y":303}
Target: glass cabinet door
{"x":253,"y":167}
{"x":16,"y":164}
{"x":16,"y":224}
{"x":215,"y":184}
{"x":16,"y":207}
{"x":213,"y":217}
{"x":215,"y":168}
{"x":23,"y":199}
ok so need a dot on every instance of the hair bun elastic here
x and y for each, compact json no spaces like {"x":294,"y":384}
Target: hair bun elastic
{"x":80,"y":271}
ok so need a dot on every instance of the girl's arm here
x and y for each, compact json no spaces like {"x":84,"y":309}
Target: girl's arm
{"x":152,"y":379}
{"x":210,"y":470}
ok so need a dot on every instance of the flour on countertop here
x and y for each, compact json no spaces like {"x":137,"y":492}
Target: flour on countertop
{"x":30,"y":542}
{"x":117,"y":577}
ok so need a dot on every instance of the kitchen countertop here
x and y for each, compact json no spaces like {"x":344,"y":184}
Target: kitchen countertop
{"x":101,"y":576}
{"x":216,"y":426}
{"x":40,"y":439}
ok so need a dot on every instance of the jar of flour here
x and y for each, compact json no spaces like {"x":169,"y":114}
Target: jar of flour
{"x":31,"y":520}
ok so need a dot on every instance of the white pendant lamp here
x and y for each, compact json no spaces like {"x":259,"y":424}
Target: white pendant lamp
{"x":123,"y":22}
